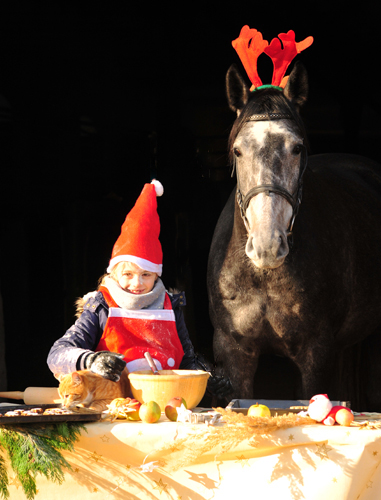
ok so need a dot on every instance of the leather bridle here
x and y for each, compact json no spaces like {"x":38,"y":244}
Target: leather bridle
{"x":293,"y":199}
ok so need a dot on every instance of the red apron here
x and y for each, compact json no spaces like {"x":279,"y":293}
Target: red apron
{"x":134,"y":332}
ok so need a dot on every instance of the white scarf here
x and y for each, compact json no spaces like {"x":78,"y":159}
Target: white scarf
{"x":126,"y":300}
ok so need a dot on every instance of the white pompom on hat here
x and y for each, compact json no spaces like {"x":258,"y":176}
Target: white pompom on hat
{"x":158,"y":187}
{"x":139,"y":238}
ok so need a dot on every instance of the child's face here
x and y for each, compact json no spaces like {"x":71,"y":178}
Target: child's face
{"x":134,"y":279}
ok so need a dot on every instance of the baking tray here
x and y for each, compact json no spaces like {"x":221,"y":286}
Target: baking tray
{"x":75,"y":415}
{"x":277,"y":406}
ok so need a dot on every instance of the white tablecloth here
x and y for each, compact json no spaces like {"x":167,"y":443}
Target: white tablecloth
{"x":137,"y":461}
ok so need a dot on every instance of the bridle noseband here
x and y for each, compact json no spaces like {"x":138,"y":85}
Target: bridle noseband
{"x":293,"y":199}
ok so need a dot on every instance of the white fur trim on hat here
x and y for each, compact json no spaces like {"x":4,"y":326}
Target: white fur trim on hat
{"x":158,"y":187}
{"x":143,"y":263}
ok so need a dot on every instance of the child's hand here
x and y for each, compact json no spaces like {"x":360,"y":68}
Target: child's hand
{"x":107,"y":364}
{"x":219,"y":386}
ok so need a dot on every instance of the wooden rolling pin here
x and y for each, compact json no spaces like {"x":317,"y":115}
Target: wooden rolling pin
{"x":35,"y":395}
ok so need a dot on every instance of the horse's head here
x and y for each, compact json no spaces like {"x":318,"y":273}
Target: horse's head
{"x":267,"y":147}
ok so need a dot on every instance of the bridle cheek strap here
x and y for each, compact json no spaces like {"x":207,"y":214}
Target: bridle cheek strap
{"x":294,"y":200}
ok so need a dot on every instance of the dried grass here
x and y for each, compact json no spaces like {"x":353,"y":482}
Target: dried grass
{"x":263,"y":425}
{"x":222,"y":438}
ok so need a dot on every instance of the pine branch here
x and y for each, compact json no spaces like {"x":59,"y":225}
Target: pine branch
{"x":35,"y":449}
{"x":3,"y":479}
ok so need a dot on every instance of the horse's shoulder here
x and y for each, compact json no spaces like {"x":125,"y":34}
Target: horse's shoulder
{"x":343,"y":164}
{"x":347,"y":171}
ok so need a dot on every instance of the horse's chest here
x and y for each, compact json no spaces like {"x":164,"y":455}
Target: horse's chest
{"x":258,"y":305}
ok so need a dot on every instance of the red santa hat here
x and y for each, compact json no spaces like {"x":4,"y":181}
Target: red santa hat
{"x":139,"y":238}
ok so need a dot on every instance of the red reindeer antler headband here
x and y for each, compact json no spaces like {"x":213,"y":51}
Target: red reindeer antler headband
{"x":250,"y":45}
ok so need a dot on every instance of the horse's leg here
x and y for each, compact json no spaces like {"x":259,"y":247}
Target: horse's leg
{"x":317,"y":369}
{"x":370,"y":373}
{"x":234,"y":362}
{"x":320,"y":374}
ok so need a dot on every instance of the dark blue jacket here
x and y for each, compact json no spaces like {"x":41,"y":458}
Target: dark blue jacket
{"x":84,"y":336}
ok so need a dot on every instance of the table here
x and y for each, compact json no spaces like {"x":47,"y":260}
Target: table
{"x":137,"y":461}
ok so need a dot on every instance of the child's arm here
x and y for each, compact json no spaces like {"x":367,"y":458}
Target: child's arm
{"x":189,"y":359}
{"x":83,"y":337}
{"x":217,"y":386}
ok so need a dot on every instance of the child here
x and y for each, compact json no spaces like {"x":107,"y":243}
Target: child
{"x":131,"y":312}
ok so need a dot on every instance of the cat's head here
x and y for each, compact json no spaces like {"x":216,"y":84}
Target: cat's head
{"x":73,"y":390}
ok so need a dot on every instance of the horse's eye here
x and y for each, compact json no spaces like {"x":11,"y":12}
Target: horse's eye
{"x":297,"y":149}
{"x":237,"y":152}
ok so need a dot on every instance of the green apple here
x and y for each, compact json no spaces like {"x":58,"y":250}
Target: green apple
{"x":150,"y":412}
{"x":171,"y":408}
{"x":258,"y":411}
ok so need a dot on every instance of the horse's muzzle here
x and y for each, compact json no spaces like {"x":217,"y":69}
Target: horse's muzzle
{"x":267,"y":253}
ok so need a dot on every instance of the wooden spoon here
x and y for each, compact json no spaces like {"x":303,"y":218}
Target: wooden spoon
{"x":151,"y":363}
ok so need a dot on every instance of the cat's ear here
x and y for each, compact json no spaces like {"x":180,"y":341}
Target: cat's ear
{"x":59,"y":376}
{"x":76,"y":378}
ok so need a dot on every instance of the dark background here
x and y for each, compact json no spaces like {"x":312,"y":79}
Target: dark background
{"x":96,"y":102}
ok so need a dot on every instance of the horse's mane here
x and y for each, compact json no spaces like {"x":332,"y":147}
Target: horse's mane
{"x":262,"y":102}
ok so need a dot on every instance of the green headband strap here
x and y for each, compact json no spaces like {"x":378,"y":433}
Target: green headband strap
{"x":267,"y":87}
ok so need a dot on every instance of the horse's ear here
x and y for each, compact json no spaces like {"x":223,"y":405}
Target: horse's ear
{"x":296,"y":89}
{"x":236,"y":89}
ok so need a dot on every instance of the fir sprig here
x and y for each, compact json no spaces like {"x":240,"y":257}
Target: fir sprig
{"x":34,"y":449}
{"x":3,"y":479}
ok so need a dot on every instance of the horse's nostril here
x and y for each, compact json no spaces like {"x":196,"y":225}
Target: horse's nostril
{"x":283,"y":246}
{"x":249,"y":245}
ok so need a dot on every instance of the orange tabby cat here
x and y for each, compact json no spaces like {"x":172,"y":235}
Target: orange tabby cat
{"x":91,"y":390}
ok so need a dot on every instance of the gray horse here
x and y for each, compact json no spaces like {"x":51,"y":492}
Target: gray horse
{"x":291,"y":279}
